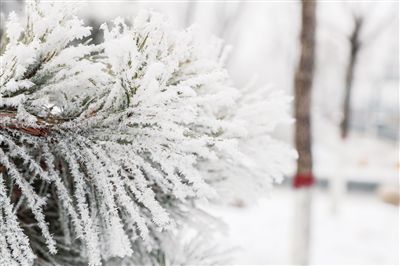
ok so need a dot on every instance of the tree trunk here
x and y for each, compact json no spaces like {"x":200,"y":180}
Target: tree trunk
{"x":354,"y":50}
{"x":190,"y":12}
{"x":304,"y":179}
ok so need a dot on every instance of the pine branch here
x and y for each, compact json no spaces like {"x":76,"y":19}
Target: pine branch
{"x":142,"y":127}
{"x":42,"y":129}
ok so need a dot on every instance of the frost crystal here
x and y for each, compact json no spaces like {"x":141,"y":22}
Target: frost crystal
{"x":103,"y":147}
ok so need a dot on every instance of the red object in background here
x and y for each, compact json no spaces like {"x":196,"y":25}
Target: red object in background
{"x":303,"y":180}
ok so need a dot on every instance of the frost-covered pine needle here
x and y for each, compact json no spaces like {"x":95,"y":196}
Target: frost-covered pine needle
{"x":102,"y":147}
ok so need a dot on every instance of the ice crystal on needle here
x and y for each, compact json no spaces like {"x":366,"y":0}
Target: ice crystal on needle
{"x":103,"y":146}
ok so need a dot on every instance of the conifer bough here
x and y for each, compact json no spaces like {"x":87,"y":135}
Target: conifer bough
{"x":106,"y":149}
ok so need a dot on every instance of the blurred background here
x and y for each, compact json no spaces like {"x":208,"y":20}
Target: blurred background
{"x":355,"y":202}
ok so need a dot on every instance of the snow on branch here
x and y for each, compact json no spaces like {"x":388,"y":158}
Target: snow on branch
{"x":102,"y":147}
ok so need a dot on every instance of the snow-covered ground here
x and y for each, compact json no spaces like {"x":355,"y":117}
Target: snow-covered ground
{"x":360,"y":158}
{"x":364,"y":230}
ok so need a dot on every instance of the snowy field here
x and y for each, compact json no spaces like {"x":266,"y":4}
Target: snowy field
{"x":364,"y":230}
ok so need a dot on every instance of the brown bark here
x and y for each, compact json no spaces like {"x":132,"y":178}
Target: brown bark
{"x":41,"y":130}
{"x":303,"y":84}
{"x":43,"y":127}
{"x":355,"y":45}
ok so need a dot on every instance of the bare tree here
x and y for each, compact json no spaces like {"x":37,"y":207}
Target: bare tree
{"x":228,"y":17}
{"x":355,"y":46}
{"x":190,"y":12}
{"x":356,"y":42}
{"x":304,"y":179}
